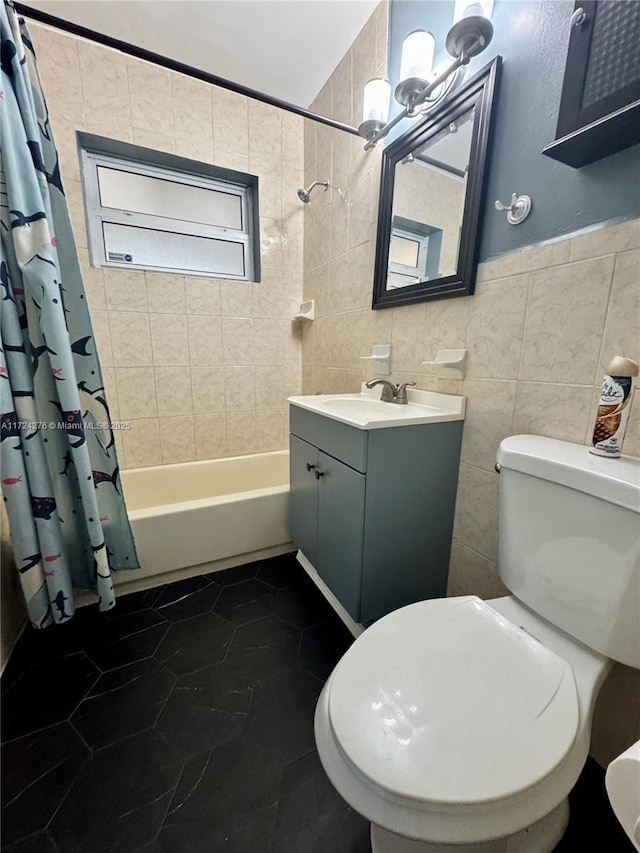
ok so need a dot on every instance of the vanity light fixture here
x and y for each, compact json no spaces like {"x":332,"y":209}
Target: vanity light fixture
{"x":470,"y":34}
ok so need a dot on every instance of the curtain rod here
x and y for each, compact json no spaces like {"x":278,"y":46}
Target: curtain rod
{"x":175,"y":65}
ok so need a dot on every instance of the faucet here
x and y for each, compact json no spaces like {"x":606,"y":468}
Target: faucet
{"x":391,"y":393}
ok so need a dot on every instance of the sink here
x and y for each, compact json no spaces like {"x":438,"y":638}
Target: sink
{"x":367,"y":411}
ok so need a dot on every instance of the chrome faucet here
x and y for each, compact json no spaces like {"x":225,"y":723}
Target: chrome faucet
{"x":391,"y":393}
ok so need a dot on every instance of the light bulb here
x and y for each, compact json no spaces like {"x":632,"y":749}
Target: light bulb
{"x":377,"y":93}
{"x":466,"y":8}
{"x":417,"y":56}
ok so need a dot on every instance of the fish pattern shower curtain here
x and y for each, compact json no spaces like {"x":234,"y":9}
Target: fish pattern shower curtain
{"x":59,"y":471}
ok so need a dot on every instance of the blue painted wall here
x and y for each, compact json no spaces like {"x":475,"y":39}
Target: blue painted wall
{"x":532,"y":37}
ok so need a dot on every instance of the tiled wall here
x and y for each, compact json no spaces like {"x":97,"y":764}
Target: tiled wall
{"x":540,"y":330}
{"x":200,"y":367}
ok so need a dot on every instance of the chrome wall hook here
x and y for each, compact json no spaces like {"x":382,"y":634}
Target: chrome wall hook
{"x":518,"y":210}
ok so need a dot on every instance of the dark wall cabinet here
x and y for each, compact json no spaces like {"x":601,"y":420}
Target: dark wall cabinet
{"x":600,"y":104}
{"x":372,"y":510}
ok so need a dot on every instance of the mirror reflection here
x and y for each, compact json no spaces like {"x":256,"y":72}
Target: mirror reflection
{"x":429,"y":192}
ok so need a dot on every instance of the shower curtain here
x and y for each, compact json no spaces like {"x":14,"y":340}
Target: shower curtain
{"x":59,"y":471}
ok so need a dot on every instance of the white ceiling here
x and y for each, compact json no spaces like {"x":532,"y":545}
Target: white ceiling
{"x":285,"y":48}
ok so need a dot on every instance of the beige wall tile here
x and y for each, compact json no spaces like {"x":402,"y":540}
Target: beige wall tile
{"x":125,"y":290}
{"x":265,"y":131}
{"x":230,"y":122}
{"x":75,"y":203}
{"x":407,"y":339}
{"x":169,"y":338}
{"x":494,"y":347}
{"x":445,"y":327}
{"x":270,"y":431}
{"x":271,"y":387}
{"x":239,"y":388}
{"x":193,"y":118}
{"x":236,"y":299}
{"x":105,"y":89}
{"x":177,"y":440}
{"x":472,"y":574}
{"x":604,"y":241}
{"x":130,"y":339}
{"x":557,"y":411}
{"x":241,"y":434}
{"x":342,"y":90}
{"x":270,"y":341}
{"x":207,"y":389}
{"x":622,"y":326}
{"x":205,"y":341}
{"x":59,"y":68}
{"x":154,"y":139}
{"x":476,"y":519}
{"x":142,"y":443}
{"x":151,"y":100}
{"x":211,"y":436}
{"x":271,"y":243}
{"x":563,"y":326}
{"x":488,"y":419}
{"x":202,"y":295}
{"x":360,"y":211}
{"x":525,"y":260}
{"x":292,"y":140}
{"x":136,"y":392}
{"x":237,"y":341}
{"x":165,"y":293}
{"x":173,"y":391}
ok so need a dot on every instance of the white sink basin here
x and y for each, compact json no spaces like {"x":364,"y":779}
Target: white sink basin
{"x":367,"y":411}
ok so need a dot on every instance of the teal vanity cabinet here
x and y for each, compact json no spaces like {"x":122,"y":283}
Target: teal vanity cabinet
{"x":372,"y":509}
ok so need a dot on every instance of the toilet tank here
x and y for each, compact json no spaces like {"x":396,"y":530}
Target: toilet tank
{"x":570,"y":540}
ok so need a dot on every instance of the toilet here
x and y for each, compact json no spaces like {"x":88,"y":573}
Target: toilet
{"x":461,"y":725}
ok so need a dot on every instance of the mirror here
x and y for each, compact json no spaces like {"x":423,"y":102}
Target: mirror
{"x":430,"y":199}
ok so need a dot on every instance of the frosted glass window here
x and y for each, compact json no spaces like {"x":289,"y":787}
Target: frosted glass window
{"x":404,"y":251}
{"x":161,"y":249}
{"x":168,"y":214}
{"x":161,"y":197}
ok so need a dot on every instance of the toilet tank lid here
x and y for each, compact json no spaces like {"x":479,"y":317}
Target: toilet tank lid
{"x":614,"y":480}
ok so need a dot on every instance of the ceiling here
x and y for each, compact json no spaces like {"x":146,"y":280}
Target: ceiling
{"x":285,"y":48}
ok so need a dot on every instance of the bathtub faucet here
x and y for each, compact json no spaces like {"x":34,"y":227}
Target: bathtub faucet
{"x":392,"y":393}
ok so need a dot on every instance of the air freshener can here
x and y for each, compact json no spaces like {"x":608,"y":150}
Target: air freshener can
{"x":614,"y":407}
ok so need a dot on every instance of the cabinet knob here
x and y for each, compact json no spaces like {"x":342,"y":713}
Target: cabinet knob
{"x":310,"y":467}
{"x":319,"y":474}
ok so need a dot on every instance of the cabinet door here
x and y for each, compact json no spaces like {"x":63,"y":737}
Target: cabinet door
{"x":303,"y":504}
{"x":340,"y":530}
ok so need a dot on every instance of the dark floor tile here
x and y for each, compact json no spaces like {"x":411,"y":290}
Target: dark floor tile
{"x":263,"y":648}
{"x":235,"y":575}
{"x":124,"y":788}
{"x":134,"y":602}
{"x":313,"y":817}
{"x":37,"y":771}
{"x":250,"y":834}
{"x":46,"y":694}
{"x":128,"y":639}
{"x":123,"y":702}
{"x":280,"y":572}
{"x":37,"y":646}
{"x":280,"y":719}
{"x":245,"y":602}
{"x":592,"y":823}
{"x":303,"y":605}
{"x":40,"y":843}
{"x":206,"y":709}
{"x":323,"y":645}
{"x":190,"y":597}
{"x":237,"y":782}
{"x":195,"y":643}
{"x":192,"y":772}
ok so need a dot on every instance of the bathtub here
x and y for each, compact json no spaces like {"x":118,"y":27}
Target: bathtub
{"x":198,"y":517}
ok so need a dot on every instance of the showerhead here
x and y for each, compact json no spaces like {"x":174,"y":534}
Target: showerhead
{"x":304,"y":194}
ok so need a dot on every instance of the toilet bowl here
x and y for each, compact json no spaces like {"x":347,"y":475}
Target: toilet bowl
{"x":462,"y":725}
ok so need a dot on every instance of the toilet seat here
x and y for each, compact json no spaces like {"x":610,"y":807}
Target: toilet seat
{"x":446,"y":703}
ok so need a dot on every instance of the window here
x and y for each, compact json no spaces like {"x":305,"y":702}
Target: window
{"x":149,"y":210}
{"x":414,"y":252}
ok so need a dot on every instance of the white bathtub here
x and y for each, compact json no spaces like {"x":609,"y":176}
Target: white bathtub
{"x":198,"y":517}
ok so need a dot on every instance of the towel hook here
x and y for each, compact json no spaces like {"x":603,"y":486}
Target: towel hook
{"x":518,"y":210}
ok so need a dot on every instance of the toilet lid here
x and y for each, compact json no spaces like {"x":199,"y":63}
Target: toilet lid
{"x":448,"y":701}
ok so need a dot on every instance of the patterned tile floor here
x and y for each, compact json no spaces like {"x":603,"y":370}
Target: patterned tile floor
{"x":183,"y":721}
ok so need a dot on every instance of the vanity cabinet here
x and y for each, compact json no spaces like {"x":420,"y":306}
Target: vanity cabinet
{"x":372,"y":510}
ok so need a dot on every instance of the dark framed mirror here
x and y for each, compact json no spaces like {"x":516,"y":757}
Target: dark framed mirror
{"x":431,"y":197}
